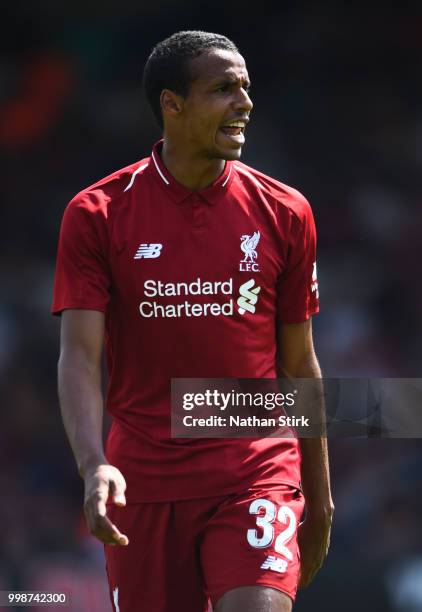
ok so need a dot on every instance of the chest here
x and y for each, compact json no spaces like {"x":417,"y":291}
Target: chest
{"x":168,"y":242}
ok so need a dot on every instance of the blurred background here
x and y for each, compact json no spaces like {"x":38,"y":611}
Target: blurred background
{"x":337,"y":91}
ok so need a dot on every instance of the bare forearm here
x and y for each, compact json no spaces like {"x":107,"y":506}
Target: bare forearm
{"x":81,"y":404}
{"x":298,"y":360}
{"x":316,"y":473}
{"x":315,"y":464}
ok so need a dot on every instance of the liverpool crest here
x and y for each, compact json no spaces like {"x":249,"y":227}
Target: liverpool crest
{"x":248,"y":245}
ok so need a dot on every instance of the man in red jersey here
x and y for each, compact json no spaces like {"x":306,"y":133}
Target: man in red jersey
{"x":190,"y":264}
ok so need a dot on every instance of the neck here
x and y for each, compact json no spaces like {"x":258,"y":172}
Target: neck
{"x":189,"y":170}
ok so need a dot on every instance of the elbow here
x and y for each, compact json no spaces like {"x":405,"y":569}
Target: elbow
{"x":76,"y":360}
{"x":305,"y":367}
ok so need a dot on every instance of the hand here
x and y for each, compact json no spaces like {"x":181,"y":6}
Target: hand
{"x":102,"y":482}
{"x":314,"y":541}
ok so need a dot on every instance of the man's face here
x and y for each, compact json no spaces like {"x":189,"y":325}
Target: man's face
{"x":217,"y":98}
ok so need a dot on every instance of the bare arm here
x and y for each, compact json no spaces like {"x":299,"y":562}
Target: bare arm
{"x":79,"y":376}
{"x":298,"y":360}
{"x":81,"y":403}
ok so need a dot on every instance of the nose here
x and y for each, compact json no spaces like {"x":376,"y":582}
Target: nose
{"x":243,"y":101}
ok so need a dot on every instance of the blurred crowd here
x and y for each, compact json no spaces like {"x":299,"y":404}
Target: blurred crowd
{"x":338,"y":115}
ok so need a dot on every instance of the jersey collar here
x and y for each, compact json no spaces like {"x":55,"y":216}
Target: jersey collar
{"x":178,"y":192}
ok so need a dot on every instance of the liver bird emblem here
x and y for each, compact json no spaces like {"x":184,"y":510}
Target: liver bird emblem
{"x":248,"y":245}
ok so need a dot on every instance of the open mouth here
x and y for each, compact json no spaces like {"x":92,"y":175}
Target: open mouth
{"x":234,"y":130}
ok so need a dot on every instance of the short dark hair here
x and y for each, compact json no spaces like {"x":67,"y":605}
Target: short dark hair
{"x":167,"y":66}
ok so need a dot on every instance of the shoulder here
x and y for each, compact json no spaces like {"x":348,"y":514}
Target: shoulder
{"x":283,"y":197}
{"x":96,"y":198}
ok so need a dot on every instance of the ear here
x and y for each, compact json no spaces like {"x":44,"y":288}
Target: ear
{"x":171,"y":103}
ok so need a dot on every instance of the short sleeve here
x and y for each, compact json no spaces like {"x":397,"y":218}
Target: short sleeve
{"x":297,"y":291}
{"x":82,"y":278}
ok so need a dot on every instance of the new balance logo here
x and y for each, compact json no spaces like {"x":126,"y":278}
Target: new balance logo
{"x":248,"y":297}
{"x":148,"y":251}
{"x":275,"y":564}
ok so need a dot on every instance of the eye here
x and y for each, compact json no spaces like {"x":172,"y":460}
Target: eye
{"x":223,"y":87}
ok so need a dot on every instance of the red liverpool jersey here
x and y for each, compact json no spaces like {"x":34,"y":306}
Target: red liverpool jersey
{"x":165,"y":264}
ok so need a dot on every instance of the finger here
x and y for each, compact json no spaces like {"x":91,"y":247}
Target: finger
{"x":309,"y":570}
{"x":100,"y":525}
{"x":306,"y":578}
{"x":97,"y":498}
{"x":95,"y":506}
{"x":100,"y":508}
{"x":112,"y":540}
{"x":119,"y":499}
{"x":108,"y":533}
{"x":117,"y":488}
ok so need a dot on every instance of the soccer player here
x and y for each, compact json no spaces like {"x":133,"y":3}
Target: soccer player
{"x":189,"y":263}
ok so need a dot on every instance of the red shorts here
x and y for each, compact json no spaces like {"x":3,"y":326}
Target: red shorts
{"x":183,"y":554}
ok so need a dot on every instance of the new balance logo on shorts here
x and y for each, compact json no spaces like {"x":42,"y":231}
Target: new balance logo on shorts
{"x":275,"y":564}
{"x":148,"y":251}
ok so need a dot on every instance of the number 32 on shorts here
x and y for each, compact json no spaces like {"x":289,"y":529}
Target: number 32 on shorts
{"x":265,"y":522}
